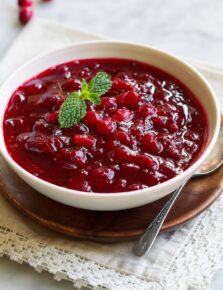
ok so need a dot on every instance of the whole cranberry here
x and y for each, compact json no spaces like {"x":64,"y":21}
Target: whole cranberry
{"x":25,"y":14}
{"x":41,"y":126}
{"x":106,"y":126}
{"x":173,"y":127}
{"x":119,"y":84}
{"x":18,"y":99}
{"x":123,"y":115}
{"x":79,"y":183}
{"x":71,"y":85}
{"x":53,"y":144}
{"x":36,"y":143}
{"x":84,"y":140}
{"x":102,"y":175}
{"x":122,"y":137}
{"x":129,"y":98}
{"x":81,"y":128}
{"x":25,"y":3}
{"x":123,"y":154}
{"x":91,"y":118}
{"x":78,"y":157}
{"x":150,"y":144}
{"x":159,"y":122}
{"x":120,"y":184}
{"x":49,"y":101}
{"x":52,"y":117}
{"x":33,"y":87}
{"x":137,"y":130}
{"x":147,"y":110}
{"x":144,"y":161}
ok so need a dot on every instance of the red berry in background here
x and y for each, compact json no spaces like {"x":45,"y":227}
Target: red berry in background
{"x":25,"y":3}
{"x":25,"y":14}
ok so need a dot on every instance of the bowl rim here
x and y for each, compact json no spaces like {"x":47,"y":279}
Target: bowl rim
{"x":97,"y":195}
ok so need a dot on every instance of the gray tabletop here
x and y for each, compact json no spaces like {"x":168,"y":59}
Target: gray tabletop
{"x":191,"y":28}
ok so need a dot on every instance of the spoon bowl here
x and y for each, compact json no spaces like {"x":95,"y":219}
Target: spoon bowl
{"x":211,"y":164}
{"x":214,"y":160}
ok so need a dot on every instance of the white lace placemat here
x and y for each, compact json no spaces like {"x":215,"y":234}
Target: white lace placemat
{"x":180,"y":260}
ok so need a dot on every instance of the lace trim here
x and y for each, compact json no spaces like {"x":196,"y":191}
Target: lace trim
{"x":66,"y":265}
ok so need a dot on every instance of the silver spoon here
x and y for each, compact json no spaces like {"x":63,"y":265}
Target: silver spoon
{"x":212,"y":163}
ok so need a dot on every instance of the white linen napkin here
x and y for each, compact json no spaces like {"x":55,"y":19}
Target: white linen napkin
{"x":180,"y":260}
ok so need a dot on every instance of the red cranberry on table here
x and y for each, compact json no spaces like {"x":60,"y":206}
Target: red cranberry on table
{"x":25,"y":3}
{"x":25,"y":14}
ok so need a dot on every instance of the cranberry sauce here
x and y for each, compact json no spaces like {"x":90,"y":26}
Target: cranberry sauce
{"x":148,"y":128}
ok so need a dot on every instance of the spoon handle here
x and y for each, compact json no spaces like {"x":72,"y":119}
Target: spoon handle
{"x":147,"y":239}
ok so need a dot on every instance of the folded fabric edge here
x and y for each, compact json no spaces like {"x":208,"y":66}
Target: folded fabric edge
{"x":44,"y":21}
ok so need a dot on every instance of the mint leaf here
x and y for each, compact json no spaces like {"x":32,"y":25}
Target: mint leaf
{"x":74,"y":107}
{"x":72,"y":111}
{"x":100,"y":84}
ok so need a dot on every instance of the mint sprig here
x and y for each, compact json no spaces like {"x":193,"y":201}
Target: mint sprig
{"x":74,"y":107}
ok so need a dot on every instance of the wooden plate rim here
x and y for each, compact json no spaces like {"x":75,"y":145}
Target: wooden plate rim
{"x":111,"y":236}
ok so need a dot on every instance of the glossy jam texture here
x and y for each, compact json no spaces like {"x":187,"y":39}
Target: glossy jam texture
{"x":148,"y":129}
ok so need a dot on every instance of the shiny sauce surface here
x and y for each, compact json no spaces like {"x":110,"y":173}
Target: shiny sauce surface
{"x":148,"y":129}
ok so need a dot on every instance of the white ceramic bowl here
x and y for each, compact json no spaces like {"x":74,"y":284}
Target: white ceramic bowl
{"x":102,"y":49}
